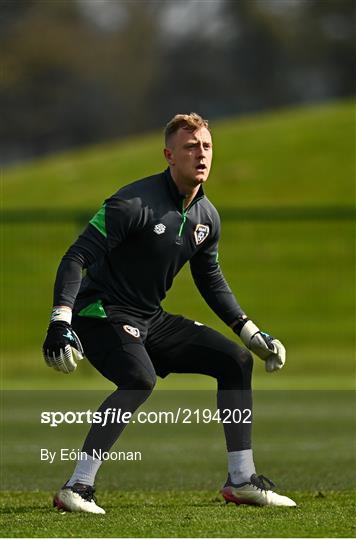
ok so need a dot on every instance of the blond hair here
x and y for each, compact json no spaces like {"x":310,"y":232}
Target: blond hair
{"x":190,"y":122}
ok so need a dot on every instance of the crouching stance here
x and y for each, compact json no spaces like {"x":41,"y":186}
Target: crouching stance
{"x":132,"y":249}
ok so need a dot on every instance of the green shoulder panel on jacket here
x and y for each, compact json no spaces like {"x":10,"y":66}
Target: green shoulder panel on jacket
{"x":98,"y":221}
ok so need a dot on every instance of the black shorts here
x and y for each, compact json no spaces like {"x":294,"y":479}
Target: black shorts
{"x":120,"y":346}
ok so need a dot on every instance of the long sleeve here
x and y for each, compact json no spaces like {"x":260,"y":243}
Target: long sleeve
{"x":88,"y":248}
{"x":108,"y":228}
{"x":210,"y":281}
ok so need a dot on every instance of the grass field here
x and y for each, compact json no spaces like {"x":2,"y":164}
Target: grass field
{"x":284,"y":185}
{"x":308,"y":449}
{"x":184,"y":514}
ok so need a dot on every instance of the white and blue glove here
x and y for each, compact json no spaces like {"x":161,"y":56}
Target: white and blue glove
{"x":62,"y":348}
{"x":263,"y":345}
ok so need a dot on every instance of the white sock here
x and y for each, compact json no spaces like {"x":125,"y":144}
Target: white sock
{"x":241,"y":466}
{"x":85,"y":471}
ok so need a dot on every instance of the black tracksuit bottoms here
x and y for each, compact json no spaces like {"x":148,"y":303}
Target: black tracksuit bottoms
{"x":132,"y":351}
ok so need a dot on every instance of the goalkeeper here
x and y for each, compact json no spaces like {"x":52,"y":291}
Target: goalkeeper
{"x":132,"y":249}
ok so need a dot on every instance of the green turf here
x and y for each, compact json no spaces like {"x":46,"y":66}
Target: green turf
{"x":303,"y":440}
{"x":177,"y":514}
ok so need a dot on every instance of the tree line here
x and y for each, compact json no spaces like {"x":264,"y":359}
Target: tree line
{"x":77,"y":72}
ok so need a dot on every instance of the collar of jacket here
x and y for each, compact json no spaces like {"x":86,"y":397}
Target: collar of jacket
{"x":176,"y":196}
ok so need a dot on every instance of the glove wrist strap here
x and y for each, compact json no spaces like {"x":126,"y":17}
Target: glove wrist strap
{"x":61,"y":313}
{"x":248,"y":331}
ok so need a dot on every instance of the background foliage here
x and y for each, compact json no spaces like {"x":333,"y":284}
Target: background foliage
{"x":82,"y":71}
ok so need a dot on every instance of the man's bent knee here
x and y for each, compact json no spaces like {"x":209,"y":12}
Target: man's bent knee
{"x":245,"y":359}
{"x":141,"y":381}
{"x":236,"y":371}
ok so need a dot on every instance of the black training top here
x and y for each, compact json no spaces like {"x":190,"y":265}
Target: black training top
{"x":134,"y":247}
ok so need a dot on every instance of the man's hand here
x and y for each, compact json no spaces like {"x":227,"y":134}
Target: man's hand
{"x":263,"y":345}
{"x":62,"y":348}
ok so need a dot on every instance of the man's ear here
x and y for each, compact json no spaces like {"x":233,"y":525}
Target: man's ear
{"x":168,"y":154}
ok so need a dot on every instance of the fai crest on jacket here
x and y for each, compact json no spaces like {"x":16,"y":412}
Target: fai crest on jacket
{"x":201,"y":233}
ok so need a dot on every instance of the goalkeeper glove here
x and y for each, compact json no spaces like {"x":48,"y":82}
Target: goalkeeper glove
{"x":62,"y":348}
{"x":263,"y":345}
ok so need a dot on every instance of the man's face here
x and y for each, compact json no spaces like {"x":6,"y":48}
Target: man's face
{"x":189,"y":155}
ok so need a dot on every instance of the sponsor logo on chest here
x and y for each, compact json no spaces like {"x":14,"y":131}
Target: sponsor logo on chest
{"x":159,"y":228}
